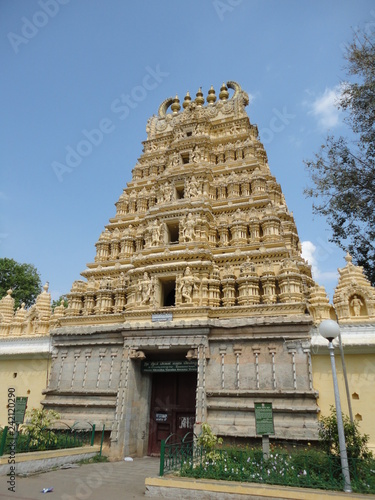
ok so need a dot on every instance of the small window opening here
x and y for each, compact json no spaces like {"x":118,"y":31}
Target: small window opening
{"x":168,"y":293}
{"x":14,"y":375}
{"x":179,"y":192}
{"x":173,"y":232}
{"x":185,"y":158}
{"x":189,"y":134}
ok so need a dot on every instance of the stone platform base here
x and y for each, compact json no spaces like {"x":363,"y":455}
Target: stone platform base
{"x":39,"y":461}
{"x":205,"y":489}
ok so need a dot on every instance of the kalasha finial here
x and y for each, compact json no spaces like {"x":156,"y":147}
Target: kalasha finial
{"x":187,"y":100}
{"x":199,"y":97}
{"x":348,"y":258}
{"x":176,"y":105}
{"x":224,"y":94}
{"x":45,"y":287}
{"x":211,"y":98}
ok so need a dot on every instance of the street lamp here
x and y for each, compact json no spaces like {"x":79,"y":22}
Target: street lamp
{"x":329,"y":329}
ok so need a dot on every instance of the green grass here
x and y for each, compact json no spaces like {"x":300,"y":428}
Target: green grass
{"x":93,"y":460}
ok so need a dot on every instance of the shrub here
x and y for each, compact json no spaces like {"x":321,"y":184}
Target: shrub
{"x":209,"y":441}
{"x":36,"y":427}
{"x":356,"y":444}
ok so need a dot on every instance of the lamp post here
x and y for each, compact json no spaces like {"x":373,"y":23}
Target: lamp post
{"x":329,"y":329}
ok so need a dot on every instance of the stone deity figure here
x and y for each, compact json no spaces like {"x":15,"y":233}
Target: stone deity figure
{"x":155,"y":233}
{"x":145,"y":289}
{"x":121,"y":280}
{"x":194,"y":188}
{"x":356,"y":303}
{"x":167,"y":191}
{"x":187,"y":285}
{"x":175,"y":159}
{"x":180,"y":134}
{"x":196,"y":155}
{"x":188,"y":228}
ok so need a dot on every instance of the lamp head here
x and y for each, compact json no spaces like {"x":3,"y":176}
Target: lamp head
{"x":329,"y":329}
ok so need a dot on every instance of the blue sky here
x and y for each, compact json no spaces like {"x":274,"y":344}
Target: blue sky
{"x":66,"y":64}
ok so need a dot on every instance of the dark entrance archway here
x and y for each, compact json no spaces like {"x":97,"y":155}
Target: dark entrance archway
{"x":172,"y":407}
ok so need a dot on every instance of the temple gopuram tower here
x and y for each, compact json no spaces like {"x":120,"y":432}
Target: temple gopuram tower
{"x":197,"y":304}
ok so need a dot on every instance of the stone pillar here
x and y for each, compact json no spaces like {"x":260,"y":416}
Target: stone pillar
{"x":268,"y":281}
{"x":120,"y":300}
{"x":256,"y":351}
{"x":248,"y":285}
{"x":290,"y":282}
{"x":89,"y":303}
{"x":258,"y":186}
{"x":230,"y":155}
{"x":254,"y":230}
{"x":223,"y":235}
{"x":245,"y":188}
{"x":118,"y":431}
{"x":102,"y":354}
{"x":237,"y":350}
{"x":228,"y":283}
{"x":238,"y":230}
{"x":214,"y":291}
{"x":212,"y":236}
{"x":204,"y":299}
{"x":271,"y":228}
{"x":272,"y":352}
{"x":115,"y":248}
{"x":222,"y":352}
{"x":127,"y":246}
{"x":75,"y":303}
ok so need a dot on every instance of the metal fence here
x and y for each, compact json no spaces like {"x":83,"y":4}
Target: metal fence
{"x":312,"y":469}
{"x":175,"y":452}
{"x":47,"y":438}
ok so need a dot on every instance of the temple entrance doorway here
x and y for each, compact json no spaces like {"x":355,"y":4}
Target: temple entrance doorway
{"x":172,"y":407}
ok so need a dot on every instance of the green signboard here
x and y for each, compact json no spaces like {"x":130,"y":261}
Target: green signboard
{"x":20,"y":410}
{"x":264,"y":418}
{"x":169,"y":366}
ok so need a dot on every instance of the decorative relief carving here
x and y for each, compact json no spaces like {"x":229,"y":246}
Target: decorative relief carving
{"x":186,"y":285}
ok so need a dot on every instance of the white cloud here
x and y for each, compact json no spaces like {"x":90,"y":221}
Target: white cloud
{"x":311,"y":253}
{"x":324,"y":107}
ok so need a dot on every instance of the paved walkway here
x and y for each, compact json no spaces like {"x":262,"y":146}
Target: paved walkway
{"x":101,"y":481}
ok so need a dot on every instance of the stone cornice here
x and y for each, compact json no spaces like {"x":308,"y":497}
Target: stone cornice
{"x":25,"y":347}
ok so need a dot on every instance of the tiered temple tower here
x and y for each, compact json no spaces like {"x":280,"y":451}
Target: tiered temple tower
{"x":200,"y":268}
{"x":202,"y":227}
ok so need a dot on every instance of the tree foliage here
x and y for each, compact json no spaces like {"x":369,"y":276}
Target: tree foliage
{"x":23,"y":279}
{"x":342,"y":172}
{"x":37,"y":423}
{"x":57,"y":302}
{"x":356,"y":444}
{"x":209,"y":441}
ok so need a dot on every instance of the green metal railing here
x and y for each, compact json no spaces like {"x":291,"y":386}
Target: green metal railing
{"x":308,"y":470}
{"x":176,"y":451}
{"x":47,"y":438}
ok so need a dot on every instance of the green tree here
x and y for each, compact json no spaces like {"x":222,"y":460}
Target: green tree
{"x":342,"y":172}
{"x":356,"y":444}
{"x":209,"y":441}
{"x":23,"y":279}
{"x":57,"y":302}
{"x":37,"y":424}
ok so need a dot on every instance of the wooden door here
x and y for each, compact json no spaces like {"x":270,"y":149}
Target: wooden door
{"x":172,"y":407}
